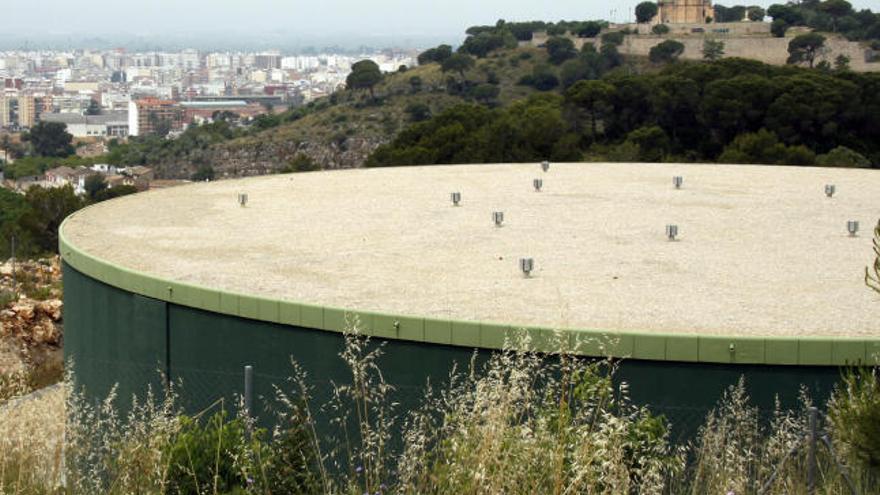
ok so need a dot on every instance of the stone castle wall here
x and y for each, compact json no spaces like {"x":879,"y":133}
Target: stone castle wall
{"x":765,"y":49}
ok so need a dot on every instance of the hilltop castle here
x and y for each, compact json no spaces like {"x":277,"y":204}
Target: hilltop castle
{"x":684,"y":11}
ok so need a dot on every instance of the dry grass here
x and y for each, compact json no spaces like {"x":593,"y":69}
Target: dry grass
{"x":31,"y":440}
{"x":519,"y":424}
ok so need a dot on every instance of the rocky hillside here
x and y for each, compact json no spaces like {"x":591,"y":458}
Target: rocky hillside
{"x":342,"y":130}
{"x":31,"y":321}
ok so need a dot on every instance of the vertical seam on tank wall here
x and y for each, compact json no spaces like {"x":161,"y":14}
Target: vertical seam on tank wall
{"x":168,"y":378}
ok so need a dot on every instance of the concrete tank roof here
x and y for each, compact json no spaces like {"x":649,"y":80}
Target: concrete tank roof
{"x":762,"y":251}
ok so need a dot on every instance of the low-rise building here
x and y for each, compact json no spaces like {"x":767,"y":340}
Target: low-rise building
{"x":113,"y":124}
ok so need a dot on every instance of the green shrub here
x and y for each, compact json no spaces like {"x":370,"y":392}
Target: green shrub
{"x":418,"y":112}
{"x":211,"y":456}
{"x":302,"y":163}
{"x":660,"y":29}
{"x":764,"y":147}
{"x":854,"y":412}
{"x":653,"y":144}
{"x":842,"y":157}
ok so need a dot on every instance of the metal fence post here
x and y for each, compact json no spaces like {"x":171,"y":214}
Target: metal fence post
{"x":248,"y":390}
{"x":811,"y":450}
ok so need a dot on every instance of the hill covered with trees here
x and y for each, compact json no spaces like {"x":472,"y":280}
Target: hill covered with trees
{"x":731,"y":110}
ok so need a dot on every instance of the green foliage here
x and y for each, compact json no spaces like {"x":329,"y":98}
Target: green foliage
{"x":47,"y":208}
{"x":589,"y":29}
{"x":701,"y":108}
{"x":484,"y":93}
{"x":542,"y":78}
{"x":300,"y":163}
{"x":842,"y":156}
{"x":293,"y":466}
{"x":415,"y":83}
{"x":205,"y":172}
{"x":660,"y":29}
{"x":483,"y":43}
{"x":95,"y":184}
{"x":836,"y":9}
{"x":418,"y":112}
{"x":713,"y":50}
{"x":665,"y":52}
{"x":114,"y":192}
{"x":191,"y":146}
{"x":560,"y":49}
{"x":854,"y":412}
{"x":438,"y":55}
{"x":50,"y":139}
{"x":207,"y":457}
{"x":652,"y":143}
{"x":613,"y":38}
{"x":805,"y":48}
{"x":587,"y":66}
{"x":646,"y":11}
{"x":830,"y":15}
{"x":527,"y":130}
{"x":365,"y":74}
{"x":460,"y":63}
{"x":815,"y":111}
{"x":778,"y":28}
{"x":729,"y":14}
{"x":763,"y":147}
{"x":29,"y":167}
{"x":594,"y":97}
{"x":756,"y":14}
{"x":94,"y":108}
{"x":736,"y":105}
{"x":13,"y":208}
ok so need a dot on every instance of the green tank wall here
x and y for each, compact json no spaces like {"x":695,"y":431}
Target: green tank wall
{"x":117,"y":337}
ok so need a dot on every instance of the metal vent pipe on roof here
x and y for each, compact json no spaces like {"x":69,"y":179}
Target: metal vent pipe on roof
{"x":677,"y":181}
{"x":672,"y":232}
{"x":545,"y":166}
{"x":852,"y":227}
{"x":538,"y":183}
{"x":527,"y":265}
{"x":498,"y":217}
{"x":456,"y":198}
{"x":830,"y":190}
{"x":243,"y":199}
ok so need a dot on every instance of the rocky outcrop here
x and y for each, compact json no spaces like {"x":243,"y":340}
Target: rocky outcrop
{"x":27,"y":322}
{"x":235,"y":159}
{"x":33,"y":323}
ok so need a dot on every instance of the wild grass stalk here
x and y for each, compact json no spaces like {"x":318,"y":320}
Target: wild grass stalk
{"x":516,"y":423}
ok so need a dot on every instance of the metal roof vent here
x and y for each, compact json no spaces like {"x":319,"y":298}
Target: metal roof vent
{"x":677,"y":181}
{"x":498,"y":217}
{"x":545,"y":166}
{"x":456,"y":198}
{"x":852,"y":227}
{"x":527,"y":265}
{"x":538,"y":183}
{"x":672,"y":232}
{"x":830,"y":189}
{"x":243,"y":199}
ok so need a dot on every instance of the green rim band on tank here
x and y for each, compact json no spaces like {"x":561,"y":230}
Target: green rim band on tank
{"x":649,"y":346}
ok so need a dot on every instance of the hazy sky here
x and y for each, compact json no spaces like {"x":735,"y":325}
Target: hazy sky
{"x":360,"y":17}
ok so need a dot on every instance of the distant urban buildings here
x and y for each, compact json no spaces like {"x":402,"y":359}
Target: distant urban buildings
{"x":115,"y":94}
